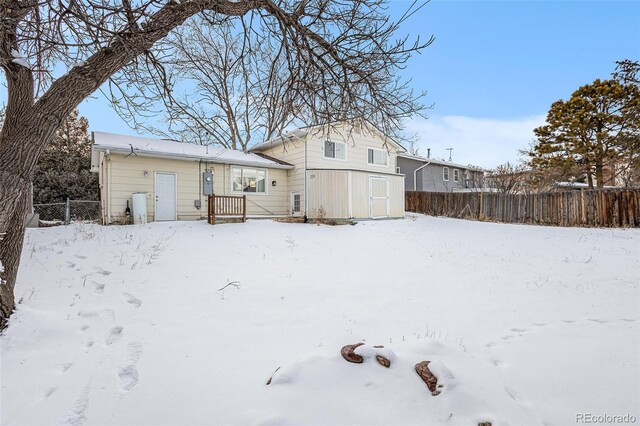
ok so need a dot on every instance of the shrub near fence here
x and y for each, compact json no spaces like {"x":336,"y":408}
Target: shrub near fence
{"x":607,"y":208}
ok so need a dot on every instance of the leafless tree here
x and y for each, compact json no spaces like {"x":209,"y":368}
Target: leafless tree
{"x":340,"y":60}
{"x":226,"y":89}
{"x":507,"y":178}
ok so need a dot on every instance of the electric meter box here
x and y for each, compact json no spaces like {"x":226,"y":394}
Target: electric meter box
{"x":207,"y":182}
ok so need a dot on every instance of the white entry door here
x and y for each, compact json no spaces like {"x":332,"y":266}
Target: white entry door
{"x":378,"y":197}
{"x":165,"y":206}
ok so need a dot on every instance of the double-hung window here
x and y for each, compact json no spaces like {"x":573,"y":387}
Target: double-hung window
{"x":445,"y":173}
{"x":378,"y":157}
{"x":456,"y":175}
{"x":249,"y":180}
{"x":336,"y":150}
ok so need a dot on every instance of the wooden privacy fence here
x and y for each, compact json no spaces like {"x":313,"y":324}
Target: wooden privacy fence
{"x":226,"y":205}
{"x":607,"y":208}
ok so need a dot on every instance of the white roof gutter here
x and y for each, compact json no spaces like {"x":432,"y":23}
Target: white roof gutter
{"x":121,"y":150}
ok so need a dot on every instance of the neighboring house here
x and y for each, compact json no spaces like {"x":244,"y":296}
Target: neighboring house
{"x":341,"y":171}
{"x":338,"y":174}
{"x":429,"y":174}
{"x":172,"y":175}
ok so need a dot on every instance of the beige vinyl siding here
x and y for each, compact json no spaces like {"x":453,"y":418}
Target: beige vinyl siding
{"x":127,"y":177}
{"x":293,"y":153}
{"x":328,"y":194}
{"x":121,"y":177}
{"x":330,"y":191}
{"x":357,"y":146}
{"x":276,"y":201}
{"x":396,"y":196}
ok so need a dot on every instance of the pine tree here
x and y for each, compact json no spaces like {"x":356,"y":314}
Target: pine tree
{"x":63,"y":170}
{"x":593,"y":130}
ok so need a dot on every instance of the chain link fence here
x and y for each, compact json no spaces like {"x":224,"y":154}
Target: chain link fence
{"x":71,"y":210}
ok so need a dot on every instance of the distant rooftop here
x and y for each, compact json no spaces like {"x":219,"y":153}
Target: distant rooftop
{"x":439,"y":162}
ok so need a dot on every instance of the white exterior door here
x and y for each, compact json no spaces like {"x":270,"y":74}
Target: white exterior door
{"x":378,"y":197}
{"x":165,"y":204}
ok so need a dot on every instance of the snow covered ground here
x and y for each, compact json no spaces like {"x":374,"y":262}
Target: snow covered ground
{"x":128,"y":325}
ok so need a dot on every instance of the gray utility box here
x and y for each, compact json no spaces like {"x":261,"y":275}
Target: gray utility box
{"x":207,"y":182}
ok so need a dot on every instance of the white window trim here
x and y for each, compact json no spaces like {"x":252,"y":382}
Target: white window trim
{"x":266,"y":183}
{"x":333,"y":158}
{"x":456,"y":172}
{"x":299,"y":212}
{"x":443,"y":178}
{"x":381,"y":150}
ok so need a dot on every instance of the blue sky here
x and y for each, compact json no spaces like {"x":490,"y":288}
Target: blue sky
{"x":496,"y":67}
{"x":493,"y":70}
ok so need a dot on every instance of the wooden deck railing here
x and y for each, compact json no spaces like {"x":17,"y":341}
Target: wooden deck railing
{"x":226,"y":205}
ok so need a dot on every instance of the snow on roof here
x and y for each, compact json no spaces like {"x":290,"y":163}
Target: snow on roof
{"x":149,"y":147}
{"x":440,"y":162}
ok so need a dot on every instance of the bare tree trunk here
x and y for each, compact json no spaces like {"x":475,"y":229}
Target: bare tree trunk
{"x":21,"y":142}
{"x":599,"y":175}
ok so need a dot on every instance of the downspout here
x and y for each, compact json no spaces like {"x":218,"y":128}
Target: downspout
{"x":306,"y":199}
{"x":415,"y":174}
{"x":108,"y":160}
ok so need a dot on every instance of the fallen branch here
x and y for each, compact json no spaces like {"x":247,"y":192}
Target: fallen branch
{"x":235,"y":284}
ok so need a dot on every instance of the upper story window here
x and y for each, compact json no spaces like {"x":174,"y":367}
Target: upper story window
{"x":245,"y":179}
{"x":378,"y":157}
{"x":456,"y":175}
{"x":336,"y":150}
{"x":445,"y":173}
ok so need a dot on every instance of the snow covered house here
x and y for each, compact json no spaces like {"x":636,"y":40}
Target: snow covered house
{"x":340,"y":171}
{"x":174,"y":178}
{"x":341,"y":174}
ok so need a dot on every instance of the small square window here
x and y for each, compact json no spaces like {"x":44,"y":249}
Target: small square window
{"x":378,"y":157}
{"x":336,"y":150}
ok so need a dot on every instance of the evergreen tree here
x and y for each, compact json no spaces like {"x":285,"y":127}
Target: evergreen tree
{"x":596,"y":128}
{"x":63,"y":170}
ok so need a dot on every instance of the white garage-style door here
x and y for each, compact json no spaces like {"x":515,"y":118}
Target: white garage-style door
{"x":378,"y":197}
{"x":166,"y":196}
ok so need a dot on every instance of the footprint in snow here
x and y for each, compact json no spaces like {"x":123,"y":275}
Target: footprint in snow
{"x":132,"y":300}
{"x":627,"y":319}
{"x":568,"y":321}
{"x":48,"y":392}
{"x":539,"y":324}
{"x":71,"y":265}
{"x":77,"y":415}
{"x":519,"y":330}
{"x":598,"y":320}
{"x":98,"y":287}
{"x":128,"y":377}
{"x":101,"y":271}
{"x":66,"y":366}
{"x":114,"y":335}
{"x":79,"y":256}
{"x":134,"y":349}
{"x":108,"y":315}
{"x":87,"y":314}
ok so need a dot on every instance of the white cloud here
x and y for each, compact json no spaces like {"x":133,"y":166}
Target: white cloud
{"x":480,"y":141}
